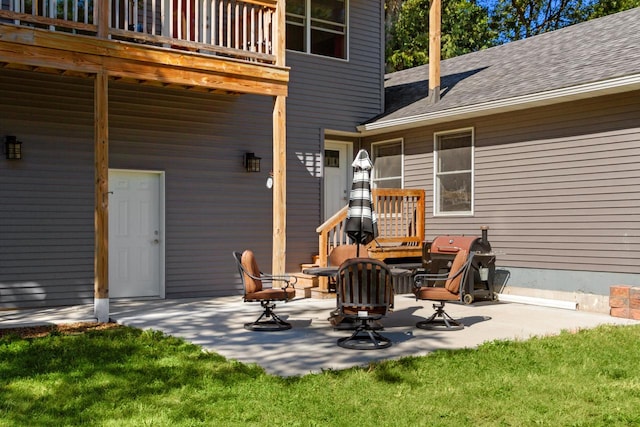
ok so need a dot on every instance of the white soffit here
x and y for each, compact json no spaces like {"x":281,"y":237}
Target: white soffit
{"x":556,"y":96}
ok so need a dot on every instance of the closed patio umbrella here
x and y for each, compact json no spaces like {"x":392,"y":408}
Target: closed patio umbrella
{"x":362,"y":222}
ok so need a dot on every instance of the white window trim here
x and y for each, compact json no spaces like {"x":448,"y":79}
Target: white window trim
{"x":436,"y":188}
{"x":390,"y":141}
{"x":307,"y":34}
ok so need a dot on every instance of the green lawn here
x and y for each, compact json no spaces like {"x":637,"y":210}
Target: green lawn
{"x":128,"y":377}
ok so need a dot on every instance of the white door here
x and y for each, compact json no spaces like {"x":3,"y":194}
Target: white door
{"x":135,"y":234}
{"x":337,"y":167}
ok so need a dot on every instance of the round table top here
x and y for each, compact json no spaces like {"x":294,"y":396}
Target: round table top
{"x":333,"y":271}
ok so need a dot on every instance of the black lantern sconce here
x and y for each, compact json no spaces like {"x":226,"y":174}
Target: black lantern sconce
{"x":251,"y":162}
{"x":13,"y":148}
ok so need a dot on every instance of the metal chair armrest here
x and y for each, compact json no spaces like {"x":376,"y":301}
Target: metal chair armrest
{"x":289,"y":280}
{"x":441,"y":276}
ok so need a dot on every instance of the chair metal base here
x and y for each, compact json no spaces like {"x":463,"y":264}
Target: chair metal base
{"x":364,"y":338}
{"x":272,"y":322}
{"x":440,"y":321}
{"x":341,"y":323}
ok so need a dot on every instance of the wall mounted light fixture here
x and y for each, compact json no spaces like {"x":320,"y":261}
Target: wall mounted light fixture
{"x":13,"y":148}
{"x":251,"y":162}
{"x":270,"y":180}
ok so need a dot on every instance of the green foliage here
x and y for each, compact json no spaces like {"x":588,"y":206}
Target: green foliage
{"x":519,"y":19}
{"x":465,"y":28}
{"x":468,"y":26}
{"x":127,"y":377}
{"x":607,"y":7}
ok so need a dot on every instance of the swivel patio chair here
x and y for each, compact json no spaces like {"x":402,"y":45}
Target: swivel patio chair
{"x":365,"y":294}
{"x":340,"y":254}
{"x":252,"y":280}
{"x":428,"y":286}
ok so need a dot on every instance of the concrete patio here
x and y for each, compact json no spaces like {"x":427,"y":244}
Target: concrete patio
{"x":310,"y":346}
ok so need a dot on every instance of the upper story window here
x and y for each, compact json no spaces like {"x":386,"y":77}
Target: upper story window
{"x":387,"y":164}
{"x":318,"y":27}
{"x":453,"y":184}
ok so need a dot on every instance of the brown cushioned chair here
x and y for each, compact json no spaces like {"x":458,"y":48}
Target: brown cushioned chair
{"x":252,"y":280}
{"x":365,"y":294}
{"x":340,"y":254}
{"x":425,"y":289}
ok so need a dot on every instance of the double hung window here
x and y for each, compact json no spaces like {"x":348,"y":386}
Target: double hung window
{"x":318,"y":27}
{"x":387,"y":164}
{"x":453,"y":183}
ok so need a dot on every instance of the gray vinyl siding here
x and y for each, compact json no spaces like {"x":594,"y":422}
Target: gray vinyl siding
{"x":198,"y":140}
{"x":559,"y":186}
{"x":212,"y":205}
{"x":46,"y":207}
{"x":327,"y":94}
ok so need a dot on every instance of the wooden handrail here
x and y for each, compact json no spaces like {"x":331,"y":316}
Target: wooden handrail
{"x":241,"y":29}
{"x":333,"y":227}
{"x":400,"y":222}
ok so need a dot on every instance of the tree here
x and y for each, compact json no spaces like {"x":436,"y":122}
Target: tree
{"x":465,"y":28}
{"x":468,"y":26}
{"x":519,"y":19}
{"x":607,"y":7}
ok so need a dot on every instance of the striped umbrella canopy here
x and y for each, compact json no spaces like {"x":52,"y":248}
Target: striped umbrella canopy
{"x":362,"y":222}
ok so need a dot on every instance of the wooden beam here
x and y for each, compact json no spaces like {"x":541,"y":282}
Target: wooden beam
{"x":280,"y":33}
{"x":35,"y":37}
{"x":279,"y":186}
{"x":138,"y":61}
{"x":434,"y":50}
{"x":101,"y":141}
{"x":279,"y":254}
{"x":102,"y":14}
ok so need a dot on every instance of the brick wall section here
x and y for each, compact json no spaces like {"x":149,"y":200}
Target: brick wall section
{"x":624,"y":301}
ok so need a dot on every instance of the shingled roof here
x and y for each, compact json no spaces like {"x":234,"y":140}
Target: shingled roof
{"x":584,"y":60}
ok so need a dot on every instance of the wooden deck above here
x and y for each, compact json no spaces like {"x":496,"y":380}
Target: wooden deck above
{"x":231,"y":49}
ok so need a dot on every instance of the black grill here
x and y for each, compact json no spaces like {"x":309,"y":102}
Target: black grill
{"x":438,"y":255}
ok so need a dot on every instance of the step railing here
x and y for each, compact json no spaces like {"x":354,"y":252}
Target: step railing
{"x":400,"y":222}
{"x":243,"y":29}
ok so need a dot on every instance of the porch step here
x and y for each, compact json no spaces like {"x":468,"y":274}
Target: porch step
{"x":322,"y":294}
{"x":304,"y":284}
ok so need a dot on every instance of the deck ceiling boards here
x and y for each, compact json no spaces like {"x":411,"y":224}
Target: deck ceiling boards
{"x":53,"y":52}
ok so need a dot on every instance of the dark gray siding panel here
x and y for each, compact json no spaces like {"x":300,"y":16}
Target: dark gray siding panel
{"x":329,"y":94}
{"x":559,"y":186}
{"x":197,"y":139}
{"x":46,"y":199}
{"x":212,"y":205}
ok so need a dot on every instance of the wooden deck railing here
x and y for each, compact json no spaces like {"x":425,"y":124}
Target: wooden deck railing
{"x":400,"y":226}
{"x":242,"y":29}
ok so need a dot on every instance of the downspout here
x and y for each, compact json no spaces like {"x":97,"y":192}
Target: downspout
{"x":434,"y":51}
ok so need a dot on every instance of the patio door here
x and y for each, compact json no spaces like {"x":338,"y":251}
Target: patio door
{"x":337,"y":176}
{"x":136,"y":234}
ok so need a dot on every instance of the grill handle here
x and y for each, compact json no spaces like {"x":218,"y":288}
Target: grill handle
{"x":448,"y":249}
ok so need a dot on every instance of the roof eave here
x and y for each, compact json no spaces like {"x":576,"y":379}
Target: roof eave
{"x":555,"y":96}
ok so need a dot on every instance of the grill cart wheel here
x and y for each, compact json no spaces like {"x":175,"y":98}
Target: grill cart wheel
{"x":468,"y":298}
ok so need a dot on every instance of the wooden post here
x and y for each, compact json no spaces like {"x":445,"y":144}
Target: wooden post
{"x":279,"y":253}
{"x":101,"y":138}
{"x":434,"y":50}
{"x":101,"y":18}
{"x":279,"y":186}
